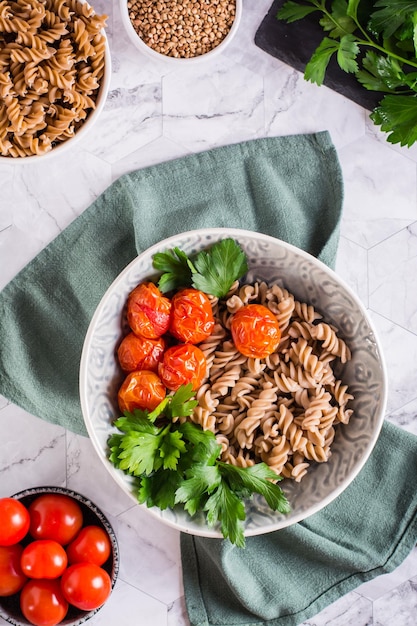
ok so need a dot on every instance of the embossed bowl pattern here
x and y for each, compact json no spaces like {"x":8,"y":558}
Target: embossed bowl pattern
{"x":310,"y":281}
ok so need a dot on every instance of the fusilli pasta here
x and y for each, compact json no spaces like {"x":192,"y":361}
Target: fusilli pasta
{"x":52,"y":52}
{"x":281,"y":410}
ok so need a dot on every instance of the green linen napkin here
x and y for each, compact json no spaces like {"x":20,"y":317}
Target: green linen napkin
{"x":285,"y":577}
{"x":288,"y":187}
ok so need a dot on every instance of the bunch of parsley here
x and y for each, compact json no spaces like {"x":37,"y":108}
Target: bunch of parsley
{"x":375,"y":41}
{"x":176,"y":463}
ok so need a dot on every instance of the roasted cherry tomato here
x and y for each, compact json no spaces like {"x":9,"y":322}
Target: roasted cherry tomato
{"x":14,"y":521}
{"x":86,"y":585}
{"x":191,"y":316}
{"x":91,"y":545}
{"x":141,"y":390}
{"x":183,"y":364}
{"x":55,"y":516}
{"x":148,"y":311}
{"x":139,"y":353}
{"x":43,"y":558}
{"x":42,"y":602}
{"x":12,"y":578}
{"x":255,"y":331}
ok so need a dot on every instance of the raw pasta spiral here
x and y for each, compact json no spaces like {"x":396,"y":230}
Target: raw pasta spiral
{"x":52,"y":55}
{"x":281,"y":410}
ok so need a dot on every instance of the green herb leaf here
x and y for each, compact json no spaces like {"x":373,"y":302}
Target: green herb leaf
{"x":392,"y":14}
{"x":226,"y":507}
{"x":338,"y":22}
{"x":293,"y":11}
{"x":201,"y":479}
{"x":315,"y":69}
{"x":218,"y":268}
{"x":159,"y":489}
{"x":347,"y":53}
{"x":381,"y":73}
{"x":181,"y":404}
{"x":397,"y":115}
{"x":175,"y":267}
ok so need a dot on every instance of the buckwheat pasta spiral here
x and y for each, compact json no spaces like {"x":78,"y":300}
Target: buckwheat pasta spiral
{"x":51,"y":53}
{"x":283,"y":409}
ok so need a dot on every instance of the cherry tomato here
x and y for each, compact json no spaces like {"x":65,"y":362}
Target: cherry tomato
{"x":141,"y":390}
{"x":14,"y":521}
{"x":12,"y":578}
{"x":255,"y":331}
{"x":43,"y":558}
{"x":86,"y":585}
{"x":191,"y":316}
{"x":183,"y":364}
{"x":139,"y":353}
{"x":148,"y":311}
{"x":55,"y":516}
{"x":42,"y":602}
{"x":91,"y":545}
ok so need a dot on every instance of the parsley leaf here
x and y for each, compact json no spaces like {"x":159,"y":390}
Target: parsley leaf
{"x":176,"y":462}
{"x":397,"y":115}
{"x":212,"y":271}
{"x":375,"y":41}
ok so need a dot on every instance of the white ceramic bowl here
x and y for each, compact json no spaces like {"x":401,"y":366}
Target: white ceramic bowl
{"x":151,"y":53}
{"x":310,"y":281}
{"x":84,"y":128}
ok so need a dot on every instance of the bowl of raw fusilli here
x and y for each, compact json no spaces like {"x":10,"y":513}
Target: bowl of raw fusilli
{"x":56,"y":70}
{"x":311,"y":410}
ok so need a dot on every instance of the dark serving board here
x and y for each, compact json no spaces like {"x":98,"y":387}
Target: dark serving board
{"x":294,"y":44}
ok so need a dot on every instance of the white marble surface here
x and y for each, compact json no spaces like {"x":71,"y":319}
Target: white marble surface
{"x":155,"y":112}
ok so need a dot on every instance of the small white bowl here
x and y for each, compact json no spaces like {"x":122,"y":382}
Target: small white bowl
{"x":150,"y":52}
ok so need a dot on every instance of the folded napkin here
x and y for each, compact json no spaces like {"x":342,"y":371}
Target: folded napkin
{"x":288,"y":187}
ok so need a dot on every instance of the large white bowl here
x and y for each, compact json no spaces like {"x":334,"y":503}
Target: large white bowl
{"x":153,"y":54}
{"x":310,"y":281}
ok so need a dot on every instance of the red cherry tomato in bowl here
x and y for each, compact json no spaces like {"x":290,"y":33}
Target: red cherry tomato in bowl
{"x":148,"y":311}
{"x":43,"y":558}
{"x":55,"y":516}
{"x":86,"y":586}
{"x":192,"y":318}
{"x":14,"y":521}
{"x":12,"y":578}
{"x":42,"y":602}
{"x":141,"y":390}
{"x":255,"y":331}
{"x":183,"y":364}
{"x":91,"y":545}
{"x":139,"y":353}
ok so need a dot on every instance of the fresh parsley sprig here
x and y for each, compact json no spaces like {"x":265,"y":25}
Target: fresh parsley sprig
{"x":377,"y":43}
{"x":212,"y":271}
{"x":176,"y":462}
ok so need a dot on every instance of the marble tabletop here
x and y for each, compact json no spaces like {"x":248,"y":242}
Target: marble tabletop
{"x":156,"y":112}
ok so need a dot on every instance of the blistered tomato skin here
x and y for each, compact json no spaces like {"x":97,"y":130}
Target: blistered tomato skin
{"x":55,"y":516}
{"x":141,"y":389}
{"x":255,"y":331}
{"x":183,"y":364}
{"x":191,"y":316}
{"x":148,"y":311}
{"x":139,"y":353}
{"x":14,"y":521}
{"x":12,"y":578}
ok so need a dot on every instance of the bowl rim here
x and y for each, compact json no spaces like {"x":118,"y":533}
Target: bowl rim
{"x":234,"y":233}
{"x":85,"y":127}
{"x":151,"y":53}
